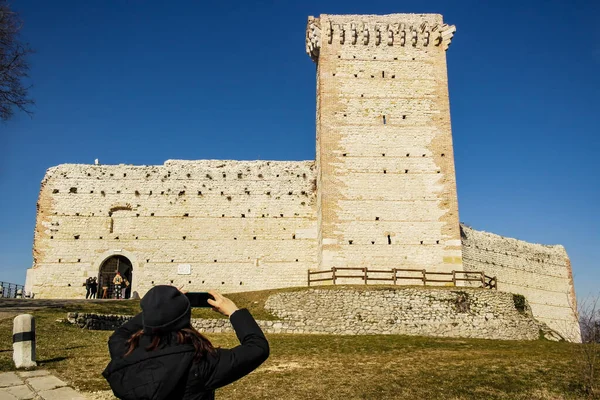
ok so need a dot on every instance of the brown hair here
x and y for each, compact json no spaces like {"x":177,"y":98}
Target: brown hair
{"x":188,"y":335}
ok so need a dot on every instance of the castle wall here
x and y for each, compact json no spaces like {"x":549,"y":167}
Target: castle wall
{"x":239,"y":225}
{"x":387,"y":190}
{"x":540,"y":273}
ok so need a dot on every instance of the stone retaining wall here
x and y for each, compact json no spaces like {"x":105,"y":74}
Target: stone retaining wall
{"x":464,"y":312}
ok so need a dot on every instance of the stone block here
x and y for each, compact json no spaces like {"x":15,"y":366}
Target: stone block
{"x":62,"y":393}
{"x":48,"y":382}
{"x":21,"y":392}
{"x":10,"y":379}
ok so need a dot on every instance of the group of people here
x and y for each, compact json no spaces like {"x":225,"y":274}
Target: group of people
{"x":121,"y":287}
{"x":91,"y":288}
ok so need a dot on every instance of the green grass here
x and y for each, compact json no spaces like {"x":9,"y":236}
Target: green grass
{"x":333,"y":367}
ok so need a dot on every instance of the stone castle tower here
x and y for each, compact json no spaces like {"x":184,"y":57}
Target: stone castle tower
{"x":380,"y":194}
{"x":385,"y":165}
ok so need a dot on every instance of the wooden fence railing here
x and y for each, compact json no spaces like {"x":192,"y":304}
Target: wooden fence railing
{"x":421,"y":276}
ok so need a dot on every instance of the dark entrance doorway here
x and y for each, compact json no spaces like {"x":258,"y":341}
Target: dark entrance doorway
{"x":108,"y":270}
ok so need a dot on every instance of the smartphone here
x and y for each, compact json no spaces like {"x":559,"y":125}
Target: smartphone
{"x":199,"y":299}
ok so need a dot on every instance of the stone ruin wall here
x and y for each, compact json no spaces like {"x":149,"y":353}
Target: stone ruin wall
{"x":241,"y":225}
{"x":540,"y":273}
{"x":387,"y":190}
{"x":465,"y":312}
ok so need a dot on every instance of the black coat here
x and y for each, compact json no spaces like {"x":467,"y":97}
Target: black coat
{"x":169,"y":372}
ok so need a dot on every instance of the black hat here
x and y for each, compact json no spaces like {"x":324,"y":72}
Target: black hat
{"x":165,"y":309}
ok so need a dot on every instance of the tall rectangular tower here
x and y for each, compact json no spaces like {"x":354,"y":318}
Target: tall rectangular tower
{"x":387,"y":187}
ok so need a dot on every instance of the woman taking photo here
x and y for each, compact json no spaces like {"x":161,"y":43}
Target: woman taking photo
{"x":158,"y":354}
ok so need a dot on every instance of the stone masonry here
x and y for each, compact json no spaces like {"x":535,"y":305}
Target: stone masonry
{"x":444,"y":312}
{"x":540,"y":273}
{"x":240,"y":226}
{"x":381,"y":192}
{"x":385,"y":165}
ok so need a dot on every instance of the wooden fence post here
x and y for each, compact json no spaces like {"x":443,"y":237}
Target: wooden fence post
{"x":424,"y":278}
{"x":333,"y":274}
{"x":308,"y":277}
{"x":454,"y":277}
{"x":394,"y":277}
{"x":482,"y":279}
{"x":366,"y":277}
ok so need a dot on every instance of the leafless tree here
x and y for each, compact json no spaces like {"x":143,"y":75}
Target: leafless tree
{"x":589,"y":350}
{"x":14,"y":68}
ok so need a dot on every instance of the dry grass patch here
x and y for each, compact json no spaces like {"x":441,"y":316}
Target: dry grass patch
{"x":332,"y":367}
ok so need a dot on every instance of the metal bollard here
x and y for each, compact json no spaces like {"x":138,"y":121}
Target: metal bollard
{"x":24,"y":341}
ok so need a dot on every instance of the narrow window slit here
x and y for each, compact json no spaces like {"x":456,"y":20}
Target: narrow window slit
{"x":389,"y":239}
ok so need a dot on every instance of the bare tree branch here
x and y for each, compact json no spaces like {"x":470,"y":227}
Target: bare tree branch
{"x":13,"y":65}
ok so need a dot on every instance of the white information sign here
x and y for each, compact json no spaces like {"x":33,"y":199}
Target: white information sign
{"x":184,"y":269}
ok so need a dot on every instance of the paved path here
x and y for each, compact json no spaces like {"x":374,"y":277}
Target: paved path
{"x":37,"y":385}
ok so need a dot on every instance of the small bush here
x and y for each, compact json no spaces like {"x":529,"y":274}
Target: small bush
{"x":520,"y":303}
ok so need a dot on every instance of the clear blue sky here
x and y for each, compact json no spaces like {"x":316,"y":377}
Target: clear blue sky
{"x":140,"y":82}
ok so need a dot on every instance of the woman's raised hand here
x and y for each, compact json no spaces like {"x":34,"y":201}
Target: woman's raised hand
{"x":221,"y":303}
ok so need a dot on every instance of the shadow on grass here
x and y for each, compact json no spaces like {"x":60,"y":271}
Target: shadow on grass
{"x":75,"y":347}
{"x":52,"y":360}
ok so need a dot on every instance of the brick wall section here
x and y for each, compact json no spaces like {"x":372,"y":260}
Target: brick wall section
{"x":240,"y":225}
{"x":541,"y":273}
{"x":386,"y":174}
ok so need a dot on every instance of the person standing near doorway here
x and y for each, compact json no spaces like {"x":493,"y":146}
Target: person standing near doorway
{"x":118,"y":281}
{"x":94,"y":287}
{"x":124,"y":288}
{"x":88,"y":287}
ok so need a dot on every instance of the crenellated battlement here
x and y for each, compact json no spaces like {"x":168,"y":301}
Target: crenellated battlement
{"x":391,"y":30}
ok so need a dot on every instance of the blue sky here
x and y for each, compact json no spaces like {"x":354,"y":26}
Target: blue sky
{"x":140,"y":82}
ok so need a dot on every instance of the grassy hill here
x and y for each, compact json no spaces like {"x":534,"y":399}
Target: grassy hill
{"x":329,"y":367}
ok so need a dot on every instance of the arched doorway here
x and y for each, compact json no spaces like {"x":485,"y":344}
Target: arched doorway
{"x":108,"y":270}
